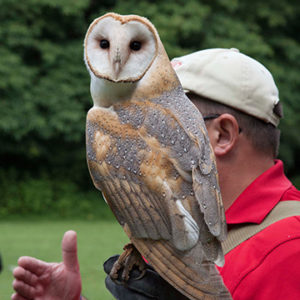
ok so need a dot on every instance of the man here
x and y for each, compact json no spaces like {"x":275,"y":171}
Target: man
{"x":240,"y":105}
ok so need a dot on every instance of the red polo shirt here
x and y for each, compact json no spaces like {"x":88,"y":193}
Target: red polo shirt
{"x":267,"y":266}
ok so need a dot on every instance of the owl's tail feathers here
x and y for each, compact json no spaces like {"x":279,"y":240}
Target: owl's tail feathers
{"x":194,"y":280}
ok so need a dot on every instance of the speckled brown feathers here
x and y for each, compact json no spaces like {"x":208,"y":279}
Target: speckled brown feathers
{"x":150,"y":156}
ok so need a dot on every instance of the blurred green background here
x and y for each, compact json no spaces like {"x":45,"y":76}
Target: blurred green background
{"x":97,"y":240}
{"x":44,"y":93}
{"x":44,"y":85}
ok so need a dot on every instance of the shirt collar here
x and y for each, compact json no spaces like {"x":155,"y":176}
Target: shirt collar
{"x":260,"y":197}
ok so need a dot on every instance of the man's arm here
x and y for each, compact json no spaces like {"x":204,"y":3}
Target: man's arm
{"x":39,"y":280}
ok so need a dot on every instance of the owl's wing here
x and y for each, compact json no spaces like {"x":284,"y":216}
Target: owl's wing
{"x":207,"y":191}
{"x":140,"y":180}
{"x":152,"y":194}
{"x":149,"y":185}
{"x":134,"y":204}
{"x":193,"y":155}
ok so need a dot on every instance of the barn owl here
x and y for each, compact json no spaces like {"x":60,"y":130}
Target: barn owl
{"x":148,"y":152}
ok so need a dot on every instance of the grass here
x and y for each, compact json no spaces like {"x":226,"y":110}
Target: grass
{"x":97,"y":240}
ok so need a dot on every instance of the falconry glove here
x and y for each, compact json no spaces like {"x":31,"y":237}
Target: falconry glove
{"x":150,"y":286}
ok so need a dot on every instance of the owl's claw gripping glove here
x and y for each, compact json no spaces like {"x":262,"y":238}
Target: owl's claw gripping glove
{"x":150,"y":286}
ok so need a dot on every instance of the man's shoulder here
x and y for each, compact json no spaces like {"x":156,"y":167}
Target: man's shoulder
{"x":271,"y":237}
{"x":287,"y":225}
{"x":277,"y":233}
{"x":292,"y":193}
{"x":253,"y":254}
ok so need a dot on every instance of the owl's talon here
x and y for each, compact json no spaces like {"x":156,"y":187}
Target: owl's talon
{"x":143,"y":273}
{"x":127,"y":260}
{"x":114,"y":273}
{"x":125,"y":274}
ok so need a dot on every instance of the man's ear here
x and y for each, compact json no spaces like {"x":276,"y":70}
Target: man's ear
{"x":224,"y":132}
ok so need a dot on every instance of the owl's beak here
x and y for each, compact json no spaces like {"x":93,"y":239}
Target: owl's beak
{"x":117,"y":64}
{"x":117,"y":68}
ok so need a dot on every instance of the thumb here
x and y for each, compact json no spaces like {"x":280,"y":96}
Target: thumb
{"x":69,"y":251}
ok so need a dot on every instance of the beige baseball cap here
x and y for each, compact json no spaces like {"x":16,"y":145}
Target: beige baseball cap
{"x":232,"y":78}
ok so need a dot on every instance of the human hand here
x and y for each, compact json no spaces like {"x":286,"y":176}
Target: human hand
{"x":39,"y":280}
{"x":150,"y":286}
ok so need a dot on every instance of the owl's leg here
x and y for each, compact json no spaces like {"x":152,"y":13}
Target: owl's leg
{"x":127,"y":260}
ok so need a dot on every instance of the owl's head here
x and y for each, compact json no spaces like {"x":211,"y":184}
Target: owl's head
{"x":120,"y":48}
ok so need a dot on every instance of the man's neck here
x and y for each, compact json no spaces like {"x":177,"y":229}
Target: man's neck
{"x":236,"y":176}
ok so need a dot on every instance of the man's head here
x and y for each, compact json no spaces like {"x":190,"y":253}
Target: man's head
{"x":221,"y":81}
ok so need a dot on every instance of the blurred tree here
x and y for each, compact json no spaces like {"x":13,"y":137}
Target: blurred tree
{"x":44,"y":86}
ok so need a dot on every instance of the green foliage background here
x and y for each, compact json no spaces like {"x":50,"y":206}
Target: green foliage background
{"x":44,"y":86}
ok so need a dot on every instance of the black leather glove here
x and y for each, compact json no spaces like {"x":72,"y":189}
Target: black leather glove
{"x":150,"y":286}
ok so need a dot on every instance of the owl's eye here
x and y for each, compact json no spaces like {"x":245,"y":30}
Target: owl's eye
{"x":104,"y":44}
{"x":135,"y":45}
